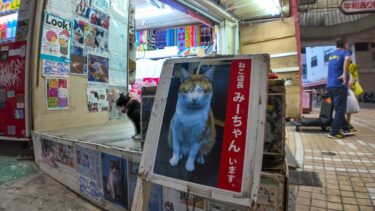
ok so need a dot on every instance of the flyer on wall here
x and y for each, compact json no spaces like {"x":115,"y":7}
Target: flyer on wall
{"x":57,"y":93}
{"x":79,"y":61}
{"x":98,"y":66}
{"x":97,"y":100}
{"x":102,"y":5}
{"x":56,"y":39}
{"x":64,"y":9}
{"x":55,"y":69}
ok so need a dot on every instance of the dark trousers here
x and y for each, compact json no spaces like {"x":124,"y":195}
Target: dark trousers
{"x":339,"y":97}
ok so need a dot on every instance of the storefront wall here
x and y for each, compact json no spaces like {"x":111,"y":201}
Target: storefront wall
{"x":277,"y":38}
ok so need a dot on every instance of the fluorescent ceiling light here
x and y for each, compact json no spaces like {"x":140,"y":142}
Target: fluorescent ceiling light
{"x":272,"y":7}
{"x":152,"y":12}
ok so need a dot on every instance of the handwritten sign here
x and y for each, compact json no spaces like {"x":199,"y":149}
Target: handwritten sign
{"x":357,"y":6}
{"x":89,"y":189}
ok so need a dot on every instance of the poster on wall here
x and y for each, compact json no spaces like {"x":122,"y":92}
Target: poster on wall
{"x":88,"y":164}
{"x":57,"y":93}
{"x":56,"y":39}
{"x":219,"y":113}
{"x":98,"y":66}
{"x":89,"y":35}
{"x":79,"y":27}
{"x":102,"y":5}
{"x":64,"y":9}
{"x":58,"y":155}
{"x":79,"y":61}
{"x":55,"y":69}
{"x":177,"y":200}
{"x":101,"y":40}
{"x":89,"y":170}
{"x":99,"y":19}
{"x":115,"y":173}
{"x":97,"y":100}
{"x":82,"y":8}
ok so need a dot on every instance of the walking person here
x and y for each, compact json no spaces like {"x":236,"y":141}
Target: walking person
{"x":337,"y":86}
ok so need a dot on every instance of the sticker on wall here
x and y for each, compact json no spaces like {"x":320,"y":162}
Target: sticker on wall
{"x":97,"y":68}
{"x":56,"y":39}
{"x":100,"y":19}
{"x":19,"y":114}
{"x":57,"y":93}
{"x":79,"y":61}
{"x":97,"y":100}
{"x":102,"y":5}
{"x":82,"y":8}
{"x":55,"y":68}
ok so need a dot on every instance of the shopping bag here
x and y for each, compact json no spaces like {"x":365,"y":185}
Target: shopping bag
{"x":352,"y":105}
{"x":357,"y":89}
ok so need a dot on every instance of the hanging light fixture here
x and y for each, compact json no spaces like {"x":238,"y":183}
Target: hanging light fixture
{"x":272,"y":7}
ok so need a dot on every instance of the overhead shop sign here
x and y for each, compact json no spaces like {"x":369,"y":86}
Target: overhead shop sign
{"x":357,"y":6}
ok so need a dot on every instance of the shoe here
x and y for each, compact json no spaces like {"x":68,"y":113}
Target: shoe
{"x":337,"y":136}
{"x":350,"y":132}
{"x":136,"y":137}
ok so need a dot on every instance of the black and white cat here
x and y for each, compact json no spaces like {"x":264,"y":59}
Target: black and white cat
{"x":192,"y":130}
{"x":132,"y":108}
{"x":99,"y":40}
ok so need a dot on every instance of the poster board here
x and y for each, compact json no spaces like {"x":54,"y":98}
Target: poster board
{"x":221,"y":84}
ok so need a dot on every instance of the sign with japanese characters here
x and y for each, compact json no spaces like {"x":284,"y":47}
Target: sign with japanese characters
{"x":210,"y":115}
{"x":234,"y":142}
{"x":357,"y":6}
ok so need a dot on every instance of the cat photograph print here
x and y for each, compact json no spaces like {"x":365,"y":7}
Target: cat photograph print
{"x":192,"y":129}
{"x":115,"y":185}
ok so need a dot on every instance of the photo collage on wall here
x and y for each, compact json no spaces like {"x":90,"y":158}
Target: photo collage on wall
{"x":90,"y":56}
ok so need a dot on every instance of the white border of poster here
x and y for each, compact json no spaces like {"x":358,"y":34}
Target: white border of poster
{"x":254,"y":139}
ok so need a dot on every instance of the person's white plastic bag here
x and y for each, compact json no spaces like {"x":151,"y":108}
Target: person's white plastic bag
{"x":352,"y":106}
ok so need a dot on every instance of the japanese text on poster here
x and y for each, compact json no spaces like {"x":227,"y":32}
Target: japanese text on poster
{"x":233,"y":152}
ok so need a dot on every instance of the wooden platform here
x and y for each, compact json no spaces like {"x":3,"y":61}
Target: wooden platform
{"x":116,"y":134}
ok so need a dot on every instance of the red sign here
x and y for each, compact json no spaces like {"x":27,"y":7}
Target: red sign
{"x":357,"y":6}
{"x":234,"y":143}
{"x":12,"y":89}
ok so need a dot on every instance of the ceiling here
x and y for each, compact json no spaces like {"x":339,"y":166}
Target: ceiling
{"x":324,"y":13}
{"x":252,"y":9}
{"x":159,"y":19}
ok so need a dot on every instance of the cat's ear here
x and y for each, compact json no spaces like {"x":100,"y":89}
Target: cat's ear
{"x":184,"y":74}
{"x":209,"y":74}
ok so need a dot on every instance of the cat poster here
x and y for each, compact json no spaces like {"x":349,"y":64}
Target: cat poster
{"x":115,"y":176}
{"x":203,"y":121}
{"x":79,"y":27}
{"x":78,"y":64}
{"x":89,"y":35}
{"x":57,"y":93}
{"x":98,"y":67}
{"x":174,"y":200}
{"x":82,"y":8}
{"x":99,"y":19}
{"x":101,"y":40}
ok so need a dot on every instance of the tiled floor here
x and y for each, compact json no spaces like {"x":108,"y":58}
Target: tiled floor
{"x":347,"y":172}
